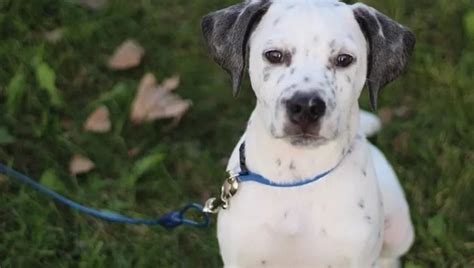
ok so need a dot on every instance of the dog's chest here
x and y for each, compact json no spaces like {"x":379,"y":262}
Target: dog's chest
{"x":336,"y":221}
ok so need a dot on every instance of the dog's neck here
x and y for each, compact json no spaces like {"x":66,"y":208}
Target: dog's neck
{"x":280,"y":161}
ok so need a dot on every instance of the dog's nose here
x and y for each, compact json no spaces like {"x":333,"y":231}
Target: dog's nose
{"x":305,"y":108}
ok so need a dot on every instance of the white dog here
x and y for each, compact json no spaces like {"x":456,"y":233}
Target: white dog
{"x":308,"y":62}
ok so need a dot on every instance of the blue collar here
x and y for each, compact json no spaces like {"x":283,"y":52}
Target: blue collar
{"x":245,"y":175}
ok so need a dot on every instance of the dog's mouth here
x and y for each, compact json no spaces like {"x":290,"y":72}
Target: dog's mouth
{"x":304,"y":137}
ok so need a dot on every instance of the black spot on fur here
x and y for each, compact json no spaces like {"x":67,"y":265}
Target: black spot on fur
{"x":364,"y":172}
{"x":332,"y":104}
{"x":292,"y":70}
{"x":387,"y":223}
{"x":263,"y":262}
{"x":293,"y":50}
{"x":332,"y":46}
{"x":348,"y":79}
{"x":266,"y":77}
{"x":278,"y":162}
{"x":287,"y":58}
{"x":324,"y":232}
{"x":292,"y":165}
{"x":361,"y":203}
{"x":306,"y":79}
{"x":276,"y":21}
{"x":343,"y":151}
{"x":280,"y":78}
{"x":273,"y":130}
{"x":293,"y":86}
{"x":368,"y":219}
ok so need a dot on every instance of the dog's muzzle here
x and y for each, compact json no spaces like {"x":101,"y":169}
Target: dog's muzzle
{"x":304,"y":111}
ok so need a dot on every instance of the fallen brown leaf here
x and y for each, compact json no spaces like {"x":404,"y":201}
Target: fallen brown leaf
{"x":142,"y":101}
{"x":98,"y":121}
{"x":402,"y":142}
{"x":66,"y":123}
{"x":171,"y":83}
{"x":386,"y":115}
{"x":80,"y":165}
{"x":133,"y":152}
{"x":93,"y":4}
{"x":154,"y":101}
{"x":128,"y":55}
{"x":402,"y":111}
{"x":54,"y":36}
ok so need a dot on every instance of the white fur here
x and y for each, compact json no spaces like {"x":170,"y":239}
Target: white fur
{"x":356,"y":215}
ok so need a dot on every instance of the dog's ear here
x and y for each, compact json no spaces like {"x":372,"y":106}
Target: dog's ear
{"x":226,"y":33}
{"x":390,"y":45}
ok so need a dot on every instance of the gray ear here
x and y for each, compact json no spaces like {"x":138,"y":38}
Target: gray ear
{"x":226,"y":33}
{"x":390,"y":45}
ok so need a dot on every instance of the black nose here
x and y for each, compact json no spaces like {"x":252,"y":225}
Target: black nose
{"x":305,"y":108}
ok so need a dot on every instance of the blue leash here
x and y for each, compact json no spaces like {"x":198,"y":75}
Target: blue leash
{"x":169,"y":220}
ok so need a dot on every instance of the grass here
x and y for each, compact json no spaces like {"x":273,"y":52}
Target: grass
{"x":47,"y":90}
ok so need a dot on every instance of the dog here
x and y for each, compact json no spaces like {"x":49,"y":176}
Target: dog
{"x":308,"y":61}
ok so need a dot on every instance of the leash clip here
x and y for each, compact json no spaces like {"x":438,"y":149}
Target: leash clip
{"x":228,"y":190}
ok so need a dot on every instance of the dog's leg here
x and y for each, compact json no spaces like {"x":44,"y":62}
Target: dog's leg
{"x":398,"y":231}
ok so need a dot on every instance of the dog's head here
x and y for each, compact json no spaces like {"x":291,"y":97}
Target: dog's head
{"x":308,"y":60}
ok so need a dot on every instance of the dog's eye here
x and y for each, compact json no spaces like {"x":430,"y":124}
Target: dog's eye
{"x":274,"y":56}
{"x":344,"y":60}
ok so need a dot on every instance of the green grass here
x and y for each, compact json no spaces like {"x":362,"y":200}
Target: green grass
{"x":431,"y":147}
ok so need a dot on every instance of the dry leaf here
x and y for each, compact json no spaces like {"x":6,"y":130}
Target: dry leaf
{"x":402,"y":142}
{"x":66,"y":123}
{"x":171,"y":83}
{"x":93,"y":4}
{"x":98,"y":121}
{"x":154,"y":102}
{"x":133,"y":152}
{"x":386,"y":115}
{"x":402,"y":111}
{"x":128,"y":55}
{"x":54,"y":36}
{"x":80,"y":165}
{"x":142,"y":100}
